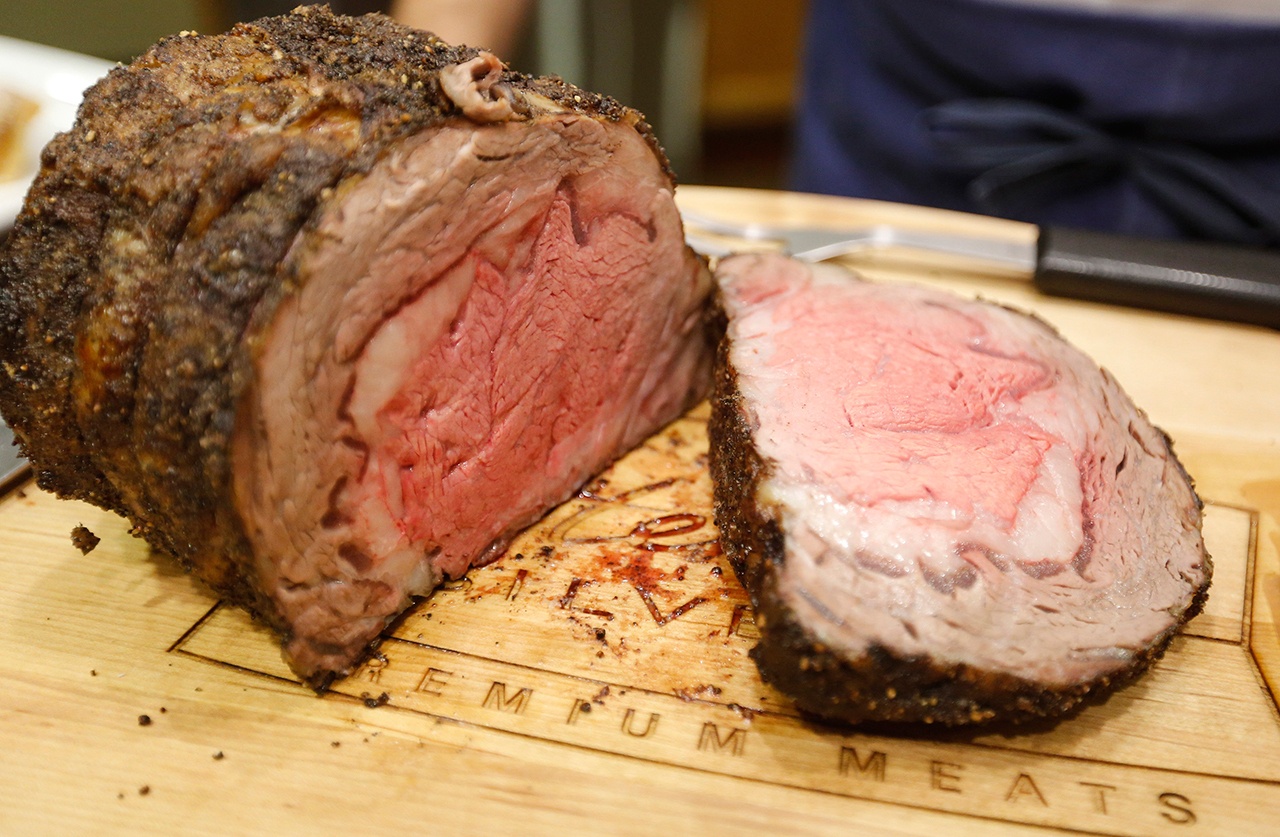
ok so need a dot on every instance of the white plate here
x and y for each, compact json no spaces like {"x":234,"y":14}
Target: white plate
{"x":55,"y":80}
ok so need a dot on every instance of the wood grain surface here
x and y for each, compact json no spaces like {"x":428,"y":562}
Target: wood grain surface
{"x":596,"y":678}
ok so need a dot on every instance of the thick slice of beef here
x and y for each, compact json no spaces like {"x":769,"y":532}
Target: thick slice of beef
{"x":942,"y":511}
{"x":331,"y":309}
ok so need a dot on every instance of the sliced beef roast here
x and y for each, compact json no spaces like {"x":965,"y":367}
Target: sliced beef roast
{"x":330,"y":309}
{"x":943,"y":512}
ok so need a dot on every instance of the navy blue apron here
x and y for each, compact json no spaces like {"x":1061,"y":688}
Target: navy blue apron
{"x":1156,"y":125}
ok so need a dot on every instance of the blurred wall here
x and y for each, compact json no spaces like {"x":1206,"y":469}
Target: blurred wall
{"x":752,"y":61}
{"x":110,"y":29}
{"x":689,"y":65}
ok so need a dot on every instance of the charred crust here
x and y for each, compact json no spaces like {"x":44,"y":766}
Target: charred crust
{"x":147,"y":258}
{"x":83,"y":539}
{"x":880,"y":685}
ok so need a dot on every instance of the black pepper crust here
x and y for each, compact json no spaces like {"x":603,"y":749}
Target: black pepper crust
{"x":147,"y":258}
{"x":880,"y":685}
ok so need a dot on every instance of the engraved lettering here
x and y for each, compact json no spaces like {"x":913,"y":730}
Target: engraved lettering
{"x":945,"y":776}
{"x":742,"y":624}
{"x":460,"y":585}
{"x":710,"y":739}
{"x":434,"y":681}
{"x":1179,"y":806}
{"x":497,"y":699}
{"x":1100,"y":799}
{"x":671,"y":524}
{"x":1024,"y":786}
{"x":646,"y":533}
{"x":580,"y":706}
{"x":566,"y":601}
{"x":516,"y":585}
{"x":629,"y":727}
{"x":658,"y":615}
{"x":874,"y":765}
{"x":373,"y":668}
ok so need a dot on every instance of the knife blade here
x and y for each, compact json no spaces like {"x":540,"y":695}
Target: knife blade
{"x":1201,"y":279}
{"x":13,"y":468}
{"x":1194,"y":278}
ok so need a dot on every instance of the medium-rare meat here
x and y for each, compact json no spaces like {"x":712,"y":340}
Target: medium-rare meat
{"x":942,"y":511}
{"x":330,"y":309}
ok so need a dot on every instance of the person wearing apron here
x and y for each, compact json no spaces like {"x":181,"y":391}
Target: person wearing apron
{"x":1157,"y":118}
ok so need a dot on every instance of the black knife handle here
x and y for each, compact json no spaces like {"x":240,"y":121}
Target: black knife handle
{"x":1220,"y":281}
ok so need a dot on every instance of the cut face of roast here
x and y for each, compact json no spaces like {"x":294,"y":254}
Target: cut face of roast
{"x":330,"y":309}
{"x":943,"y":511}
{"x":486,"y":318}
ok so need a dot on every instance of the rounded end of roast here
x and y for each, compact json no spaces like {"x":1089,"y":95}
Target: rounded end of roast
{"x":881,"y":686}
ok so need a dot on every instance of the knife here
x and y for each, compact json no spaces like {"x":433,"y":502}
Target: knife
{"x":13,"y":468}
{"x":1219,"y":281}
{"x":1201,"y":279}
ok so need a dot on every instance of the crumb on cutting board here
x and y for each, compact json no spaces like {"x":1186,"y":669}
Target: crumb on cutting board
{"x":84,"y":540}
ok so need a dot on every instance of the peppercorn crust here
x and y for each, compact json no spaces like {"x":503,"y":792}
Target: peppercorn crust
{"x":152,"y":251}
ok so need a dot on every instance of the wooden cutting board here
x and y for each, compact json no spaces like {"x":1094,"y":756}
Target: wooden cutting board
{"x":596,"y":678}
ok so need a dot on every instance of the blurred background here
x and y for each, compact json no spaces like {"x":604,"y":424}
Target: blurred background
{"x":1155,"y":118}
{"x":715,"y":77}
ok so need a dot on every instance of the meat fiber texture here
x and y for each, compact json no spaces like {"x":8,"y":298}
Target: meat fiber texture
{"x":942,"y":511}
{"x":330,"y":310}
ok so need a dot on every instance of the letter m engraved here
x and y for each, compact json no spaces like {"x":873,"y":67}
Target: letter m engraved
{"x":497,"y":699}
{"x":873,"y":766}
{"x":710,"y":739}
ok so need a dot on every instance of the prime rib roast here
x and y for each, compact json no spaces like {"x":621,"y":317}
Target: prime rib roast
{"x":330,"y":309}
{"x":942,"y":511}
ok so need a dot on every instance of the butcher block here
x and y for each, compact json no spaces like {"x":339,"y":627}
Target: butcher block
{"x":596,"y":677}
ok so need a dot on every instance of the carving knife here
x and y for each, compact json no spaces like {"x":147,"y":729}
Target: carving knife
{"x":1201,"y":279}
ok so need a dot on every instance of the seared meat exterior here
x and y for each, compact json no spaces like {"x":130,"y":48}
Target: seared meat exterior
{"x":942,"y":511}
{"x":330,"y":310}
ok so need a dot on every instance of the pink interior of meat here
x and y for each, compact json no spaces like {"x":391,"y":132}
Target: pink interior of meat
{"x":950,"y":470}
{"x":460,"y":398}
{"x":919,"y":410}
{"x":488,"y":318}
